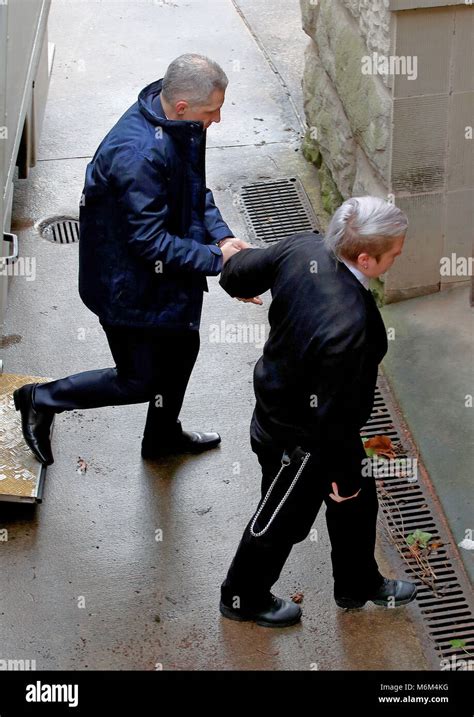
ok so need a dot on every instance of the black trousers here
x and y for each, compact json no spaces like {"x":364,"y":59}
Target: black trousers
{"x":351,"y":524}
{"x":150,"y":366}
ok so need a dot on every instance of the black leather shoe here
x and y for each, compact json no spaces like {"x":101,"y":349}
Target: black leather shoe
{"x":392,"y":593}
{"x":36,"y":425}
{"x":189,"y":442}
{"x":279,"y":613}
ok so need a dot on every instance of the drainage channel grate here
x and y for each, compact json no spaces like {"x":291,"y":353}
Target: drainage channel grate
{"x":60,"y":230}
{"x":277,"y":208}
{"x":405,"y":506}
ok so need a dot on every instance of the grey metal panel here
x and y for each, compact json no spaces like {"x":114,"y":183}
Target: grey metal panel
{"x":428,"y":36}
{"x":419,"y":143}
{"x":396,"y":5}
{"x":22,"y":23}
{"x":3,"y":142}
{"x":26,"y":24}
{"x":22,"y":27}
{"x":461,"y":148}
{"x":3,"y":90}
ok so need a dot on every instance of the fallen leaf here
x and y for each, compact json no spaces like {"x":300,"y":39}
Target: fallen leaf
{"x":419,"y":538}
{"x":381,"y":445}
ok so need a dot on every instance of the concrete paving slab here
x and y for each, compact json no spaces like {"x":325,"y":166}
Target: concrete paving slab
{"x":112,"y":49}
{"x":278,"y":29}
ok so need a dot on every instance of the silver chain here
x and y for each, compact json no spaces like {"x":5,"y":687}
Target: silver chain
{"x":284,"y":464}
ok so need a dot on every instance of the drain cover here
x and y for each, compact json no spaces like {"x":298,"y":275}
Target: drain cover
{"x":60,"y":230}
{"x":443,"y":597}
{"x":277,"y":208}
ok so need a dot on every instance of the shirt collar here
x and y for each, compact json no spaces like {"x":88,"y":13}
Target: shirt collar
{"x":364,"y":280}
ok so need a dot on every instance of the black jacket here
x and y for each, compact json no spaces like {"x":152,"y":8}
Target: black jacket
{"x":315,"y":382}
{"x":148,"y":224}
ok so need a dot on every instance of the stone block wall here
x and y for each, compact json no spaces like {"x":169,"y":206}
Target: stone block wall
{"x":404,"y":134}
{"x":348,"y":113}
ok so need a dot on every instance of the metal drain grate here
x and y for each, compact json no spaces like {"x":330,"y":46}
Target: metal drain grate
{"x":406,"y":506}
{"x":60,"y":230}
{"x":277,"y":208}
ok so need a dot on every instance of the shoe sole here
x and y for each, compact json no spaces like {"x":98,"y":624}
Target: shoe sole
{"x":351,"y":605}
{"x":226,"y":612}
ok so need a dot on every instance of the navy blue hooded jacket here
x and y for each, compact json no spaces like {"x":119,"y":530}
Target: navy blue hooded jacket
{"x":148,"y":225}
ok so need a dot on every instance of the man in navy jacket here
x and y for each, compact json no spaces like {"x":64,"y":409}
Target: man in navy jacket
{"x":150,"y":233}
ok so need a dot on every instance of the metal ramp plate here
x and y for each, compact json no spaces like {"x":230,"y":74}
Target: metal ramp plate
{"x":21,"y":474}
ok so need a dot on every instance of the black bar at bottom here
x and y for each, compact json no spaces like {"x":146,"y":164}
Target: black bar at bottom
{"x":150,"y":693}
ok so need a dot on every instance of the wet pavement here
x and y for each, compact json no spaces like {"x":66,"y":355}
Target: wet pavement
{"x":120,"y":567}
{"x":436,"y":396}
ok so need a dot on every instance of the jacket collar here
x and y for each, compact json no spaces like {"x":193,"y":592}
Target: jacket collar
{"x":149,"y":103}
{"x":364,"y":280}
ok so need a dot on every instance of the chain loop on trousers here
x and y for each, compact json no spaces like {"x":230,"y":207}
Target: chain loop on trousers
{"x":284,"y":464}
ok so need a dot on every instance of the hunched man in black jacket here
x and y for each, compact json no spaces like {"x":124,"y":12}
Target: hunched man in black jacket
{"x":314,"y":387}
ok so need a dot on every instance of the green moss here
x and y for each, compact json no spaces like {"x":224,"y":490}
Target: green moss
{"x":378,"y":290}
{"x":330,"y":195}
{"x":311,"y":151}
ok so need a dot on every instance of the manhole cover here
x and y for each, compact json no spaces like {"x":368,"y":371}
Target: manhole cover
{"x":277,"y":209}
{"x":60,"y":230}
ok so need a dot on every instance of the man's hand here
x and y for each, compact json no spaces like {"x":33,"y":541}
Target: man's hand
{"x":254,"y":300}
{"x":239,"y":243}
{"x":228,"y":250}
{"x":339,"y":498}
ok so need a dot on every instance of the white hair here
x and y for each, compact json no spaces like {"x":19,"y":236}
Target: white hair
{"x":364,"y":224}
{"x":193,"y":78}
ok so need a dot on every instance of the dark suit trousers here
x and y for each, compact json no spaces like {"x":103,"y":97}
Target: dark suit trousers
{"x":351,"y":524}
{"x":151,"y":366}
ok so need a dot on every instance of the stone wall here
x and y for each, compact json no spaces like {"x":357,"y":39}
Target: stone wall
{"x":403,"y":132}
{"x":348,"y":112}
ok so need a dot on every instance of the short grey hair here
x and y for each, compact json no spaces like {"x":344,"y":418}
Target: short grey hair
{"x":193,"y":78}
{"x":364,"y":224}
